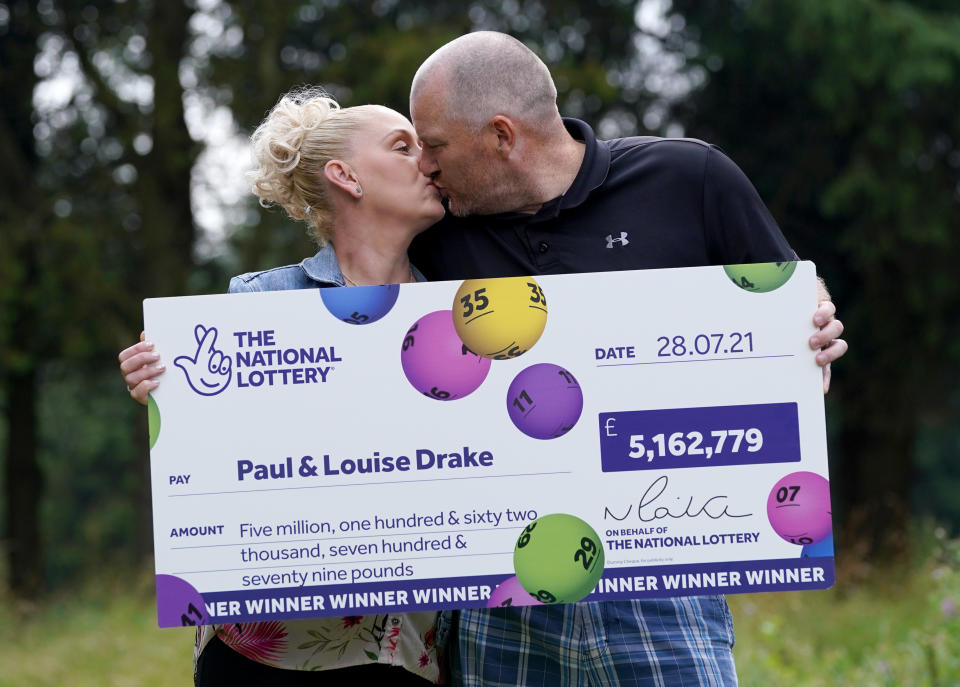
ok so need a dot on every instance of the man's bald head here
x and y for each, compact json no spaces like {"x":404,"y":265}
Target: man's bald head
{"x":484,"y":74}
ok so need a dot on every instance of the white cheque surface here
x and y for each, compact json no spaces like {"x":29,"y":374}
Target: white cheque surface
{"x":298,"y":472}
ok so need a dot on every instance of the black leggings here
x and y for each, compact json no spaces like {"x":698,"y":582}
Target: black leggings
{"x":220,"y":665}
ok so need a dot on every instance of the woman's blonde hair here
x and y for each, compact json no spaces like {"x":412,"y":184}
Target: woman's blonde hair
{"x":304,"y":130}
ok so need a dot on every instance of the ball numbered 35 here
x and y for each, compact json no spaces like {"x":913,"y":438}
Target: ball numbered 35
{"x":500,"y":318}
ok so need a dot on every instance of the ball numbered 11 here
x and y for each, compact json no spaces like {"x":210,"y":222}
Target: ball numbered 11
{"x":544,"y":401}
{"x":500,"y":318}
{"x":558,"y":558}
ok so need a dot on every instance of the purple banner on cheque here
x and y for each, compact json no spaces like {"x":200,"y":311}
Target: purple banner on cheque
{"x":643,"y":582}
{"x":699,"y":437}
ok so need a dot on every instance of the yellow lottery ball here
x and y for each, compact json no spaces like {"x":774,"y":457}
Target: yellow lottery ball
{"x":500,"y":318}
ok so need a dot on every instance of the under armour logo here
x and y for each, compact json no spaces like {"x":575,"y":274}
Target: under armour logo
{"x":622,"y":240}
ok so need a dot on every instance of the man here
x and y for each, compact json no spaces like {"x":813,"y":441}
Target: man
{"x":531,"y":193}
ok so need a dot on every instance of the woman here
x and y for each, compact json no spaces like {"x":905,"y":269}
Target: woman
{"x":352,"y":175}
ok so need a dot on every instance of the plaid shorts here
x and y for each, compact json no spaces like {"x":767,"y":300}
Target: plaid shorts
{"x":678,"y":642}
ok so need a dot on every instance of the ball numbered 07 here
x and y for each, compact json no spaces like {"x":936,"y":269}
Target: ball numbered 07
{"x":500,"y":318}
{"x":798,"y":508}
{"x":437,"y":363}
{"x":760,"y":277}
{"x":558,"y":558}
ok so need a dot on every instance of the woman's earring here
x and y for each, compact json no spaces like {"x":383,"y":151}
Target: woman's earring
{"x":359,"y":191}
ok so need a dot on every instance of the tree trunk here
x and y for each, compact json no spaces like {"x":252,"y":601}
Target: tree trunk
{"x":24,"y":485}
{"x":874,"y":473}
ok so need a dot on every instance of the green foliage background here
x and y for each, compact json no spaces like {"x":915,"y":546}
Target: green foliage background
{"x":842,"y":112}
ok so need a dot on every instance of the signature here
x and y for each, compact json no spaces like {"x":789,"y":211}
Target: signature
{"x":649,"y":510}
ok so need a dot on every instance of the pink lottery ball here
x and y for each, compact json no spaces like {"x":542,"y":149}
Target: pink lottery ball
{"x":798,"y":508}
{"x":510,"y":593}
{"x":437,"y":363}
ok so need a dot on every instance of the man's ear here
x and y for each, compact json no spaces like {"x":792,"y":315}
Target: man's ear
{"x":341,"y":174}
{"x":503,"y":135}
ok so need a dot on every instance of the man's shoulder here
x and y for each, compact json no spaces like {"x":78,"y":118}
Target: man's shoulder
{"x":656,"y":148}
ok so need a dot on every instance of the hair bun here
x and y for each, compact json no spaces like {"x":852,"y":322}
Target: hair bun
{"x":277,"y":145}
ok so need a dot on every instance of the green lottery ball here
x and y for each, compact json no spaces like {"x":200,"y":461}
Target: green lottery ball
{"x":153,"y":420}
{"x":558,"y":559}
{"x":762,"y":276}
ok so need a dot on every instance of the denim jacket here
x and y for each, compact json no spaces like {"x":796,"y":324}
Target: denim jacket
{"x":320,"y":271}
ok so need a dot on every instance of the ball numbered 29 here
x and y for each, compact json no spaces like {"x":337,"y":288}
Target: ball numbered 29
{"x":558,"y":558}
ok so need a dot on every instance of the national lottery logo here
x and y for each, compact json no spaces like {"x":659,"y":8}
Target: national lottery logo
{"x":208,"y":370}
{"x":258,"y":360}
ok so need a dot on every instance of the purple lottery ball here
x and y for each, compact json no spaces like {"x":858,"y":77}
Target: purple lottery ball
{"x":437,"y":363}
{"x":178,"y":603}
{"x":544,"y":401}
{"x":510,"y":593}
{"x":798,"y":508}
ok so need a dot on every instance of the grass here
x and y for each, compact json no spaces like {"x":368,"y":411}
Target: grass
{"x":897,"y":626}
{"x":102,"y":635}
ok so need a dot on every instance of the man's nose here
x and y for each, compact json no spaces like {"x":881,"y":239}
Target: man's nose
{"x":427,"y":163}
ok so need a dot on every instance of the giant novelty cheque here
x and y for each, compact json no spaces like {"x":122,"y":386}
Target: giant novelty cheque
{"x":487,"y":443}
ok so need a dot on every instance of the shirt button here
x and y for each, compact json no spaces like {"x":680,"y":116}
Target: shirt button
{"x":544,"y":246}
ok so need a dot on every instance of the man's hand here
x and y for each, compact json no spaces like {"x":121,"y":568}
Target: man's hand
{"x":827,"y":339}
{"x":139,"y":365}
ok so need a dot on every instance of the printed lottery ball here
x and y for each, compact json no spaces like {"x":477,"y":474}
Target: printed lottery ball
{"x":437,"y":363}
{"x":500,"y":318}
{"x":153,"y":420}
{"x":178,"y":603}
{"x":821,"y":548}
{"x":799,"y":508}
{"x":762,"y":276}
{"x":360,"y":304}
{"x":511,"y":593}
{"x":558,"y":558}
{"x":544,"y":401}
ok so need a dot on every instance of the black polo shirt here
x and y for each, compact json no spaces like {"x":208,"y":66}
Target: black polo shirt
{"x":636,"y":203}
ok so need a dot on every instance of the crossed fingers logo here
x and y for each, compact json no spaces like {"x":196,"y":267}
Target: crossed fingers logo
{"x":208,"y":370}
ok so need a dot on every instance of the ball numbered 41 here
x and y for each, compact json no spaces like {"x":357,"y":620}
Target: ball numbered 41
{"x":558,"y":558}
{"x":500,"y":318}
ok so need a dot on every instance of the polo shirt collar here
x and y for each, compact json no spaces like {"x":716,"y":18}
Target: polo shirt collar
{"x":593,"y":172}
{"x":594,"y":168}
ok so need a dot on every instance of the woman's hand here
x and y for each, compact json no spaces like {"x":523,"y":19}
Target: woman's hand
{"x":140,"y":365}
